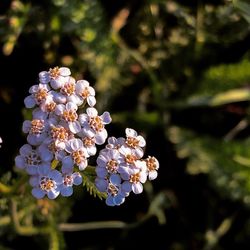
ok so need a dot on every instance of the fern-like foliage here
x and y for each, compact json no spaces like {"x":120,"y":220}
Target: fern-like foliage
{"x":88,"y":181}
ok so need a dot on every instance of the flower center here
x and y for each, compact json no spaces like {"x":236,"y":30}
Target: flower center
{"x":130,"y":159}
{"x":70,"y":115}
{"x":112,"y":166}
{"x":41,"y":95}
{"x":134,"y":178}
{"x":85,"y":93}
{"x":132,"y":142}
{"x":32,"y":158}
{"x":96,"y":123}
{"x":37,"y":126}
{"x":47,"y":183}
{"x":68,"y":88}
{"x":50,"y":107}
{"x":112,"y":189}
{"x":54,"y":73}
{"x":68,"y":180}
{"x":151,"y":163}
{"x":88,"y":142}
{"x":78,"y":156}
{"x":61,"y":133}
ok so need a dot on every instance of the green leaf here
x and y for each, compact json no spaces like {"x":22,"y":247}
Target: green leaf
{"x":244,"y":7}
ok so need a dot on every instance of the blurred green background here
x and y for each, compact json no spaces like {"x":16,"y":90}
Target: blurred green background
{"x":178,"y":72}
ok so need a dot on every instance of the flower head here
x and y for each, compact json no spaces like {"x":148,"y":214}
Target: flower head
{"x":64,"y":132}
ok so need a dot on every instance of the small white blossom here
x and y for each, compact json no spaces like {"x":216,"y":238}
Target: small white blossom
{"x":86,"y":92}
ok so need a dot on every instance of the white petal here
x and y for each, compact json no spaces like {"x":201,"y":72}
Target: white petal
{"x":137,"y":188}
{"x":101,"y":137}
{"x":91,"y":101}
{"x":152,"y":175}
{"x":25,"y":149}
{"x":44,"y":77}
{"x":126,"y":186}
{"x":38,"y":193}
{"x":92,"y":112}
{"x":29,"y":102}
{"x":64,"y":71}
{"x":130,"y":132}
{"x":32,"y":170}
{"x":34,"y":181}
{"x":101,"y":172}
{"x":67,"y":162}
{"x":109,"y":201}
{"x":56,"y":176}
{"x":106,"y":117}
{"x":67,"y":191}
{"x":52,"y":194}
{"x":20,"y":162}
{"x":77,"y":178}
{"x":143,"y":177}
{"x":115,"y":179}
{"x":71,"y":106}
{"x":26,"y":126}
{"x":118,"y":199}
{"x":74,"y":127}
{"x":83,"y":118}
{"x":142,"y":142}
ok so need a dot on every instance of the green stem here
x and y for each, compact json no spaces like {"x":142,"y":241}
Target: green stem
{"x":71,"y":227}
{"x":24,"y":230}
{"x":54,"y":241}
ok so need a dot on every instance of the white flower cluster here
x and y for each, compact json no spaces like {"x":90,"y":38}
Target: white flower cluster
{"x":121,"y":169}
{"x":63,"y":134}
{"x":59,"y":134}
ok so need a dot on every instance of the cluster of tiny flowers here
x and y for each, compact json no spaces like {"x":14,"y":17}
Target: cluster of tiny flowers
{"x":121,"y":169}
{"x":63,"y":133}
{"x":60,"y":136}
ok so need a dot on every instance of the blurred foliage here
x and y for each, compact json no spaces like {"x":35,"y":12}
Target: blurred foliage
{"x":227,"y":162}
{"x":178,"y":72}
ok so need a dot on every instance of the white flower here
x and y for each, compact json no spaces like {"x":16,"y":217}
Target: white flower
{"x":78,"y":155}
{"x":108,"y":162}
{"x":33,"y":160}
{"x":68,"y":90}
{"x":47,"y":183}
{"x":137,"y":177}
{"x":94,"y":125}
{"x":68,"y":113}
{"x":56,"y":76}
{"x":152,"y":167}
{"x":89,"y":144}
{"x":115,"y":143}
{"x":113,"y":188}
{"x":135,"y":141}
{"x":86,"y":92}
{"x":70,"y":179}
{"x":38,"y":95}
